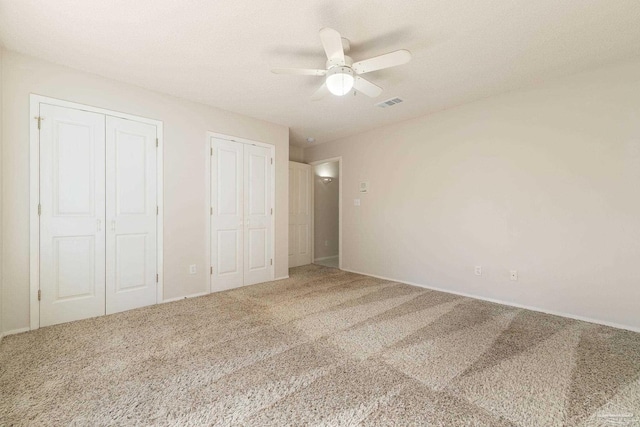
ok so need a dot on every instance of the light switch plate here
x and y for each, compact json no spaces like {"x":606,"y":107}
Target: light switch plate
{"x":356,"y":202}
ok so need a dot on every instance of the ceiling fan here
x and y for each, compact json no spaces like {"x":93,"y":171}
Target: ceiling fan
{"x":341,"y":73}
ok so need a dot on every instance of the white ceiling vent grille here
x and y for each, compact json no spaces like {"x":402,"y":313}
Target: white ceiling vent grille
{"x":389,"y":102}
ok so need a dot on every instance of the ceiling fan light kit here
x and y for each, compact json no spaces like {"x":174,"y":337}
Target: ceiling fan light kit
{"x":340,"y":80}
{"x":342,"y":75}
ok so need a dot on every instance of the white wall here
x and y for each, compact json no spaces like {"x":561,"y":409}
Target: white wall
{"x":185,"y":160}
{"x":544,"y":181}
{"x":325,"y":210}
{"x":296,"y":154}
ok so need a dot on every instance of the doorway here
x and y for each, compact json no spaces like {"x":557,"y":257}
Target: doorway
{"x":327,"y":208}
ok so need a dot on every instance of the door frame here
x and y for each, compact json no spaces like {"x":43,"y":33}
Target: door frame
{"x":209,"y":147}
{"x":313,"y":208}
{"x":34,"y":194}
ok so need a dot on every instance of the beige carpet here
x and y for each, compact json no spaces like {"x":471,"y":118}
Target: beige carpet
{"x":333,"y":262}
{"x":324,"y":347}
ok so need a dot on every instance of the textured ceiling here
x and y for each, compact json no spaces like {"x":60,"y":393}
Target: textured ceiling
{"x":220,"y":52}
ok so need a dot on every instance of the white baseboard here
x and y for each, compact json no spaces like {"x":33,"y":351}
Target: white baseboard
{"x":15,"y":331}
{"x":326,"y":257}
{"x":199,"y":294}
{"x":512,"y":304}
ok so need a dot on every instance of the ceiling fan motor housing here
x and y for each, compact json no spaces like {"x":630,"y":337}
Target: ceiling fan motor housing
{"x":338,"y":62}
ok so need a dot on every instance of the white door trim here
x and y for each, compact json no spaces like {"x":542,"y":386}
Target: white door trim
{"x":34,"y":194}
{"x":209,"y":146}
{"x":313,"y":235}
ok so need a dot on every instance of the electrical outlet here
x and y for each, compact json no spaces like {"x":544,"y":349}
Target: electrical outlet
{"x":192,"y":269}
{"x":478,"y":270}
{"x":513,"y":274}
{"x":356,"y":202}
{"x":326,"y":243}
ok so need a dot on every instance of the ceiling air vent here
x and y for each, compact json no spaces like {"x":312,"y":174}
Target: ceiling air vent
{"x":389,"y":102}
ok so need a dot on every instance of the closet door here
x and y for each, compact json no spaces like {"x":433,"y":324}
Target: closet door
{"x":293,"y":239}
{"x":258,"y":235}
{"x":299,"y":214}
{"x":227,"y":216}
{"x":131,"y":195}
{"x":72,"y":220}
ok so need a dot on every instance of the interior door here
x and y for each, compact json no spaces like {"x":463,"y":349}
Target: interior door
{"x":227,"y":214}
{"x":258,"y":209}
{"x":131,"y":237}
{"x":72,"y":220}
{"x":299,"y":214}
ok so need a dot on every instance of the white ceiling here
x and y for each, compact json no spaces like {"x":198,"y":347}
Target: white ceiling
{"x":220,"y":52}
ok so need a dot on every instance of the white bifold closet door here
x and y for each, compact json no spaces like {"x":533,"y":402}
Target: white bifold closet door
{"x":72,"y":220}
{"x":98,"y":214}
{"x":241,"y":214}
{"x":131,"y":214}
{"x":227,"y":220}
{"x":258,"y":232}
{"x":299,"y":214}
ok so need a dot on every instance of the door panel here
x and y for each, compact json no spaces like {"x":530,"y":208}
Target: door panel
{"x":73,"y":175}
{"x":131,"y":250}
{"x":258,"y":181}
{"x":227,"y":240}
{"x":229,"y":165}
{"x":292,"y":241}
{"x":131,"y":214}
{"x":74,"y":267}
{"x":72,"y":196}
{"x":304,"y":243}
{"x":258,"y":204}
{"x":131,"y":171}
{"x":228,"y":249}
{"x":257,"y":249}
{"x":299,"y":214}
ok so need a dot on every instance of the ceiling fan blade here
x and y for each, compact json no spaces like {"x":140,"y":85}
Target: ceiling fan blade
{"x":366,"y":87}
{"x":299,"y":71}
{"x":332,"y":43}
{"x":387,"y":60}
{"x":320,"y":93}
